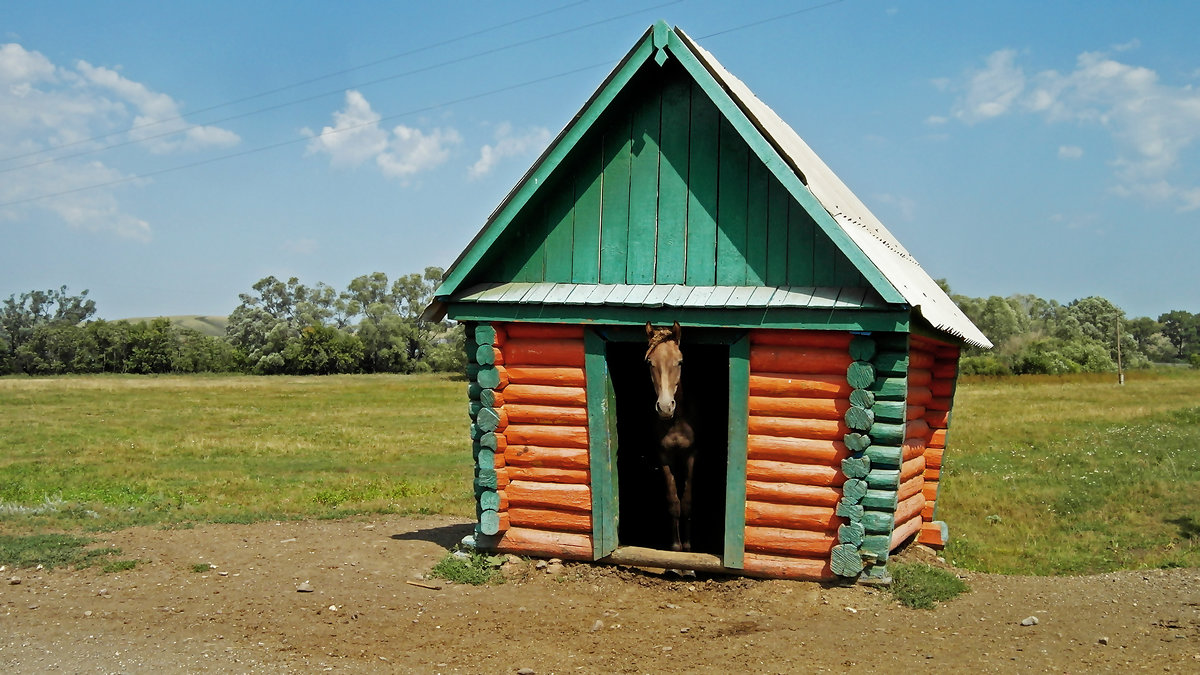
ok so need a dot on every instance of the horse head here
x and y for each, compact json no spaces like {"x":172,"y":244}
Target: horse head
{"x":666,"y":366}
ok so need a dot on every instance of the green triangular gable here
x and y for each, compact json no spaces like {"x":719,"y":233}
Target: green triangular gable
{"x":661,"y":179}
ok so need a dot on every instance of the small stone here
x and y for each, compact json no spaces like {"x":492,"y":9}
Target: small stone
{"x":555,"y":560}
{"x":555,"y":569}
{"x":598,"y":625}
{"x":333,"y":608}
{"x":102,"y":592}
{"x":684,"y":629}
{"x":670,"y":605}
{"x":1029,"y":621}
{"x":852,"y":610}
{"x":88,"y":613}
{"x":525,"y":671}
{"x":514,"y":559}
{"x":542,"y":564}
{"x":1103,"y":640}
{"x":304,"y":588}
{"x":14,"y":581}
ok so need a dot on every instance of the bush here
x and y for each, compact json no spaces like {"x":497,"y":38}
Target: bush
{"x":983,"y":365}
{"x":921,"y":586}
{"x":472,"y":568}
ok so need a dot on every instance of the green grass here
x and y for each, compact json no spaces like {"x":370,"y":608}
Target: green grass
{"x":1043,"y":475}
{"x":921,"y":586}
{"x":474,"y":568}
{"x":1048,"y":475}
{"x":50,"y":551}
{"x":119,"y":566}
{"x":105,"y":452}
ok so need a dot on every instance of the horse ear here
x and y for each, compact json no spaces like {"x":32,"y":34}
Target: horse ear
{"x":649,"y":330}
{"x":676,"y":330}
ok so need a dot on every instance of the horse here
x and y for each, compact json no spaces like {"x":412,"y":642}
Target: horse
{"x":673,"y":429}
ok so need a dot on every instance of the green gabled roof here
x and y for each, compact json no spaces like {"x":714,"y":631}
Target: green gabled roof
{"x":756,"y":224}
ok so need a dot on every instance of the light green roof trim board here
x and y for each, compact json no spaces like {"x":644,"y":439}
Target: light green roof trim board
{"x":671,"y":295}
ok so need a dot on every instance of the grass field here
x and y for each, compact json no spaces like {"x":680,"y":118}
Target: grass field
{"x":1043,"y":475}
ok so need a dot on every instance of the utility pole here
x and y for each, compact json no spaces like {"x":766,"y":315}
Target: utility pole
{"x":1120,"y":369}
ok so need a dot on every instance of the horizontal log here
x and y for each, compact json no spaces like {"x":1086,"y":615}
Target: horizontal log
{"x":884,"y":456}
{"x":491,"y":419}
{"x":851,"y":512}
{"x":806,"y":360}
{"x":880,"y":500}
{"x":921,"y":358}
{"x":549,"y":475}
{"x":913,"y":467}
{"x":862,"y":397}
{"x":541,"y":394}
{"x":889,"y":388}
{"x":853,"y":490}
{"x":789,"y":472}
{"x":930,"y":490}
{"x":856,"y":467}
{"x":877,"y":522}
{"x":543,"y":352}
{"x":910,"y":487}
{"x":492,"y":522}
{"x":909,"y":508}
{"x":801,"y":338}
{"x":784,"y":541}
{"x":891,"y":363}
{"x":787,"y":427}
{"x":544,"y":414}
{"x":859,"y":419}
{"x":851,"y":533}
{"x":799,"y":386}
{"x":883,"y":479}
{"x":904,"y":531}
{"x":920,"y":396}
{"x":887,"y":434}
{"x":856,"y":442}
{"x":889,"y":411}
{"x":496,"y":500}
{"x":539,"y":456}
{"x":496,"y":442}
{"x":920,"y":378}
{"x":793,"y":516}
{"x":787,"y":493}
{"x":814,"y":408}
{"x":474,"y":391}
{"x":795,"y":449}
{"x":942,"y":388}
{"x":488,"y":355}
{"x":876,"y":547}
{"x":473,"y":407}
{"x":913,"y":412}
{"x":934,"y":534}
{"x":565,"y":496}
{"x":488,"y":334}
{"x":548,"y":436}
{"x":639,"y":556}
{"x":944,"y":403}
{"x":945,"y":371}
{"x":933,"y":458}
{"x":937,"y":438}
{"x":787,"y":567}
{"x":550,"y":519}
{"x":547,"y":375}
{"x":490,"y":398}
{"x":545,"y":543}
{"x":490,"y":479}
{"x":928,"y":511}
{"x":932,"y":474}
{"x":543,"y":331}
{"x":913,"y":447}
{"x":488,"y":459}
{"x":937,"y":419}
{"x":492,"y":377}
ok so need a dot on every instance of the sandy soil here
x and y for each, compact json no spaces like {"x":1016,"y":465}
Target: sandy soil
{"x":246,"y":615}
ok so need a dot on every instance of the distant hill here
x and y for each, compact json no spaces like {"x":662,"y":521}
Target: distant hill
{"x":207,"y":325}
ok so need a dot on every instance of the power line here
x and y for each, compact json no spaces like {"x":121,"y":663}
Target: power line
{"x":770,"y":19}
{"x":276,"y":90}
{"x":313,"y":97}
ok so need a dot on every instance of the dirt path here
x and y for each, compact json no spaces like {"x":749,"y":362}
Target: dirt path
{"x":245,"y":615}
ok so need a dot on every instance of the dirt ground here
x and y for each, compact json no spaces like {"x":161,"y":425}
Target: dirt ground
{"x":245,"y":614}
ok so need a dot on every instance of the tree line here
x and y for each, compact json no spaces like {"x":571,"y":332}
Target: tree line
{"x":280,"y":327}
{"x":1032,"y":335}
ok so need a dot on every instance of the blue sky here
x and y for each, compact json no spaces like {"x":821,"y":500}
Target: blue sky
{"x":1013,"y":147}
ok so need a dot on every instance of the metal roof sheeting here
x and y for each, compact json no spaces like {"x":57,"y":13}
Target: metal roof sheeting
{"x":893,"y":261}
{"x":673,"y":295}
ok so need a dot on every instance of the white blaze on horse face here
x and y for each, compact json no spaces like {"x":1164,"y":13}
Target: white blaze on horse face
{"x":666,"y":363}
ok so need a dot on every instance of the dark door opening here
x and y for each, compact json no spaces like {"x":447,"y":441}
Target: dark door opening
{"x":642,"y":511}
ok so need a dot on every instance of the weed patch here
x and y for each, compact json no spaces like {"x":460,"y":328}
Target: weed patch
{"x":473,"y":568}
{"x":921,"y":586}
{"x":50,"y":551}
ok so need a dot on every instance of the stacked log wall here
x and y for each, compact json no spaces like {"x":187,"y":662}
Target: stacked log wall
{"x":798,"y":400}
{"x":538,"y":407}
{"x":943,"y":374}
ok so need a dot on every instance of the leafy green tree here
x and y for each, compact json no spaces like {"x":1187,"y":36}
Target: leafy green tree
{"x":20,"y":316}
{"x":1182,"y":330}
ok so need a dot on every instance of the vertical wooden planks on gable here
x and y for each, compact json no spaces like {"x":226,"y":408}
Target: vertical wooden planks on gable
{"x":801,"y":231}
{"x":673,"y":180}
{"x":777,"y":233}
{"x":702,"y":192}
{"x":527,"y":246}
{"x":585,"y":264}
{"x":825,"y":256}
{"x":560,"y":223}
{"x":756,"y":223}
{"x":643,"y":184}
{"x":731,"y":207}
{"x":614,"y":204}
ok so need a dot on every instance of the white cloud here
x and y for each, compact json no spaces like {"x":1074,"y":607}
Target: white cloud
{"x":936,"y":120}
{"x":509,"y":144}
{"x":356,"y":137}
{"x":1153,"y":124}
{"x":1127,"y":46}
{"x":905,"y":206}
{"x":1070,"y":152}
{"x":44,"y":107}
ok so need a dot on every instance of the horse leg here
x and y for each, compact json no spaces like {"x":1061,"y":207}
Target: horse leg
{"x":673,"y":505}
{"x":686,"y":506}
